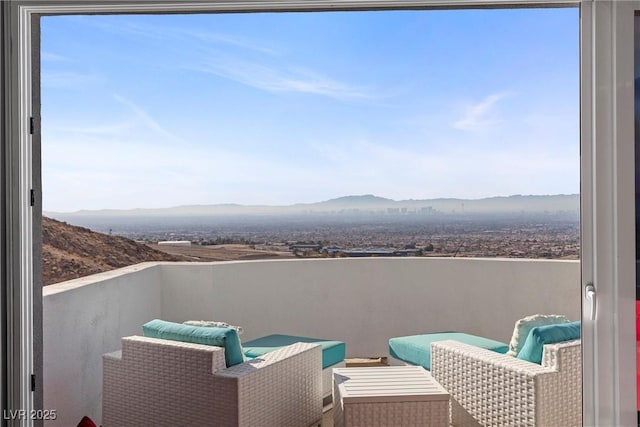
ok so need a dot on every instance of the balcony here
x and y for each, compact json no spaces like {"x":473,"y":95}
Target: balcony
{"x":362,"y":302}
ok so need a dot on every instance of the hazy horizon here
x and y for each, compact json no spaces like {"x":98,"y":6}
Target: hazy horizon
{"x":154,"y":111}
{"x":364,"y":203}
{"x":322,"y":201}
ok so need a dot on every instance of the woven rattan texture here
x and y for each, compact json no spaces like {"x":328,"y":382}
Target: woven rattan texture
{"x":397,"y":414}
{"x":492,"y":389}
{"x":167,"y":383}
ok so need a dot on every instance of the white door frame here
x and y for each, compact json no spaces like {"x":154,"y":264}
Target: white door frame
{"x":607,"y":156}
{"x":608,"y":212}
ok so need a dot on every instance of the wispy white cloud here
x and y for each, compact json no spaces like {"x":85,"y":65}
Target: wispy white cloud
{"x":176,"y":33}
{"x":107,"y":129}
{"x":52,"y":57}
{"x":145,"y":118}
{"x":225,"y":49}
{"x":271,"y":79}
{"x":122,"y":27}
{"x":229,"y":40}
{"x":481,"y":115}
{"x":69,"y":79}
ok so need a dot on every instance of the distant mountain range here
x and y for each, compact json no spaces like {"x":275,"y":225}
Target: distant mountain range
{"x":360,"y":204}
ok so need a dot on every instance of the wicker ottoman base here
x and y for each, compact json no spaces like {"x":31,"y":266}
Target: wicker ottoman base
{"x":388,"y":396}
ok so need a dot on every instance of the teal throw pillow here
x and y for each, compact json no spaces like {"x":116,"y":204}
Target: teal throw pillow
{"x":219,"y":337}
{"x":548,"y":334}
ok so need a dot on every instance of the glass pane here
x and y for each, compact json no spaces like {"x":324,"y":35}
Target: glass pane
{"x":429,"y":142}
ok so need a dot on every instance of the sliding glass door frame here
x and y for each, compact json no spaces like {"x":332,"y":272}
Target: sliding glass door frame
{"x":608,"y":212}
{"x":607,"y":193}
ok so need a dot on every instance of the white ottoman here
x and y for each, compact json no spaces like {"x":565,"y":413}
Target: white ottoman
{"x":388,"y":396}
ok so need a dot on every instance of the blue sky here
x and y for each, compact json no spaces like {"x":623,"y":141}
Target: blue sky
{"x":158,"y":111}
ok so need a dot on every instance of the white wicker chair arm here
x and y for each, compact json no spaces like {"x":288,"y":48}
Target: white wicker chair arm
{"x":306,"y":353}
{"x":563,"y":355}
{"x":137,"y":348}
{"x":480,"y":356}
{"x":280,"y":388}
{"x":492,"y":389}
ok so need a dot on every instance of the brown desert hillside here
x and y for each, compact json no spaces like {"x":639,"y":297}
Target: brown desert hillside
{"x":69,"y":252}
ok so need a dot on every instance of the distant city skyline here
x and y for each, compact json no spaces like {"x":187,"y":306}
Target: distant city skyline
{"x":364,"y":203}
{"x":152,"y":111}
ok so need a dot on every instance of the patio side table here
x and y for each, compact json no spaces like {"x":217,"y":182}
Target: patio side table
{"x":388,"y":396}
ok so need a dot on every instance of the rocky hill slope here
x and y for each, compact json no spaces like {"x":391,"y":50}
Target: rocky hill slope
{"x":69,"y":252}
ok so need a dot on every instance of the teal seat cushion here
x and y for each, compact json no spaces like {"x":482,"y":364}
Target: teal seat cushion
{"x":548,"y":334}
{"x":219,"y":337}
{"x":416,"y":349}
{"x":332,"y":351}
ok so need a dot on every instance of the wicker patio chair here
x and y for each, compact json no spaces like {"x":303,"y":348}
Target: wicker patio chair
{"x":156,"y":382}
{"x":492,"y":389}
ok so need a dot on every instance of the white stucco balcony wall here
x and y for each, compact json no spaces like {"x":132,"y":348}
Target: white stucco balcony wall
{"x":363,"y":301}
{"x":84,"y":318}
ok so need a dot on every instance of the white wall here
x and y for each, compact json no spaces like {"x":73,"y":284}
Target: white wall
{"x":362,"y":301}
{"x":83,"y":319}
{"x":366,"y":301}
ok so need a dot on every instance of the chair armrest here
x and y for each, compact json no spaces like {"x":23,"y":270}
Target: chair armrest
{"x":145,"y":349}
{"x":495,"y":389}
{"x":282,"y":387}
{"x":303,"y":352}
{"x":563,"y":356}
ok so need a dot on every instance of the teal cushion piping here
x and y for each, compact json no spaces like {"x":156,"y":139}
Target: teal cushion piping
{"x":416,"y":349}
{"x":548,"y":334}
{"x":332,"y":351}
{"x":219,"y":337}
